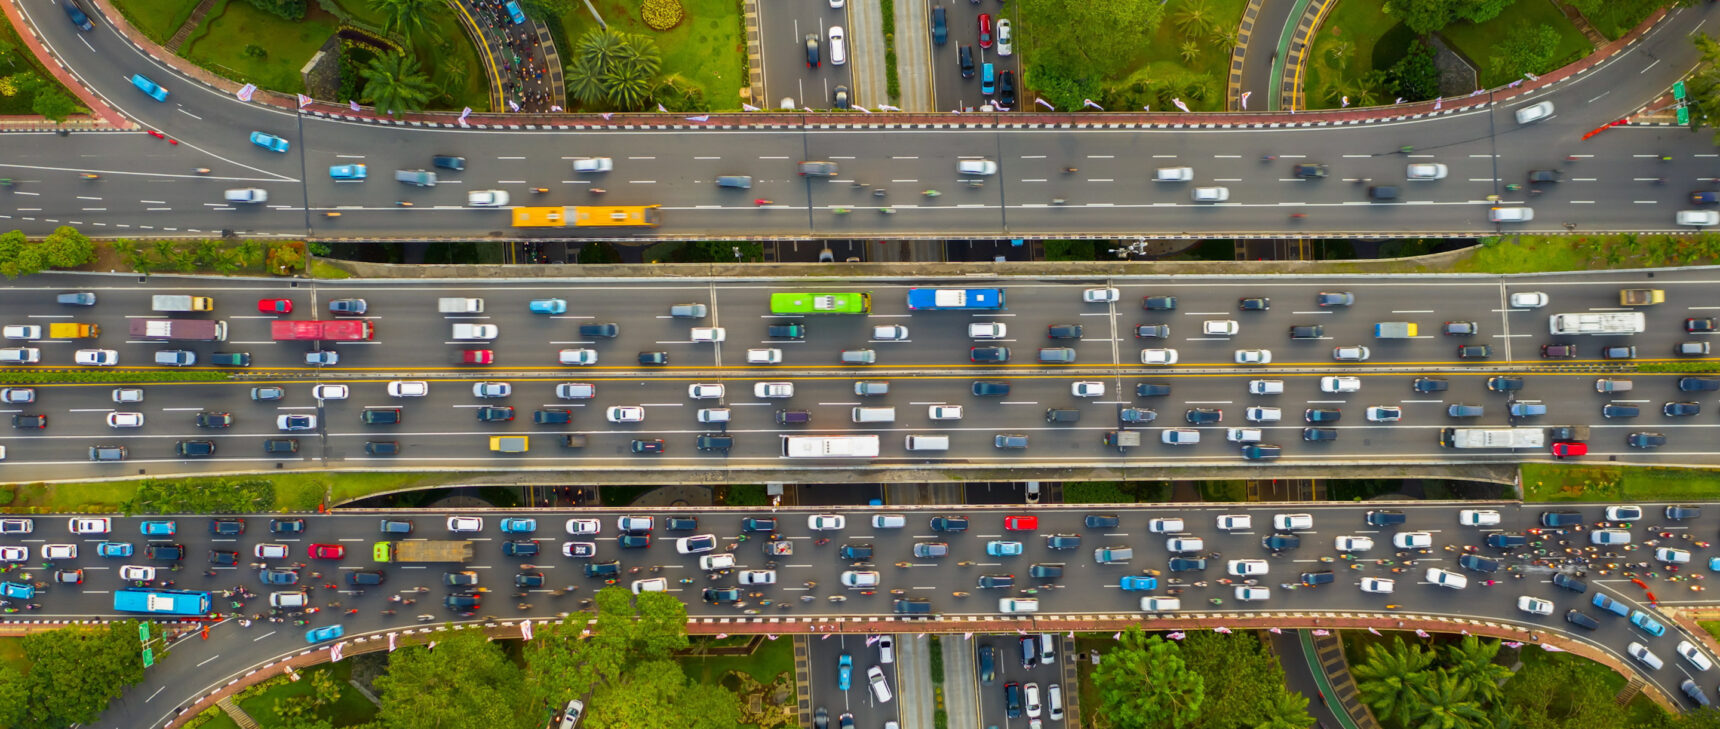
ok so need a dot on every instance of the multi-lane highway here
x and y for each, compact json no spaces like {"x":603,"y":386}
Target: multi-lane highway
{"x":942,"y":565}
{"x":1612,"y":184}
{"x":930,"y":367}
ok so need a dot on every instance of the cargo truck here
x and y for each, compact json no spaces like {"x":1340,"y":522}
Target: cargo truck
{"x":510,"y":443}
{"x":1640,"y":297}
{"x":1121,"y":439}
{"x":178,"y":302}
{"x":342,"y":330}
{"x":1394,"y":330}
{"x":190,"y":330}
{"x":422,"y":550}
{"x":1492,"y":437}
{"x":72,"y":330}
{"x":460,"y":306}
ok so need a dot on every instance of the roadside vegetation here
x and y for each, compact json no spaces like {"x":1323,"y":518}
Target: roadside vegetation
{"x":1127,"y":55}
{"x":26,"y":87}
{"x":279,"y":492}
{"x":696,"y":63}
{"x":1601,"y":482}
{"x":64,"y":677}
{"x":1204,"y":681}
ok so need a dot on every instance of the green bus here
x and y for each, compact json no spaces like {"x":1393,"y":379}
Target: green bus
{"x":853,"y":303}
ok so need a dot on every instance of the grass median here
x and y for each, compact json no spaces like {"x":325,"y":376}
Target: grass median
{"x":1551,"y":482}
{"x":292,"y":491}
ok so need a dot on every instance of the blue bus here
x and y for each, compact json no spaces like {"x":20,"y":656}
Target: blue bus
{"x":162,"y":602}
{"x":956,"y":299}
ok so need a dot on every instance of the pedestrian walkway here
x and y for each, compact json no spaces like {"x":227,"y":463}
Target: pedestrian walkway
{"x":237,"y":714}
{"x":1326,"y":652}
{"x":522,"y":58}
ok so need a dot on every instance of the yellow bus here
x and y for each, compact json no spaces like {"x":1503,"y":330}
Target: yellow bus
{"x":615,"y":216}
{"x":540,"y":217}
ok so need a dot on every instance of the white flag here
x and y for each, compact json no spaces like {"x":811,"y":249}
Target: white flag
{"x":862,"y":108}
{"x":1180,"y":105}
{"x":1045,"y":103}
{"x":1176,"y":636}
{"x":1276,"y":631}
{"x":1551,"y":648}
{"x":1092,"y":103}
{"x":525,"y":630}
{"x":304,"y":101}
{"x":702,"y":118}
{"x":1221,"y":629}
{"x":1375,"y":632}
{"x":660,"y":108}
{"x":749,"y":107}
{"x":1346,"y":101}
{"x":1245,"y":95}
{"x":245,"y":92}
{"x":390,"y":642}
{"x":887,"y":107}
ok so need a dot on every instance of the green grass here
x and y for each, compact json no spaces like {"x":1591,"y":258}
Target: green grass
{"x":1712,"y":626}
{"x":771,"y":659}
{"x":1552,"y":482}
{"x":706,"y":50}
{"x":293,"y":491}
{"x":219,"y":44}
{"x":1614,"y":18}
{"x":351,"y":708}
{"x":1477,"y":41}
{"x":324,"y":270}
{"x":219,"y":720}
{"x":1357,"y":26}
{"x":157,"y":19}
{"x":12,"y":654}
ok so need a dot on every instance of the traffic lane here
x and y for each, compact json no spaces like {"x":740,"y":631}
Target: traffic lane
{"x":954,"y":92}
{"x":783,"y":34}
{"x":823,"y":660}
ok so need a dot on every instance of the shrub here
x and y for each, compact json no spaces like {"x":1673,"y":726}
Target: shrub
{"x":663,"y":14}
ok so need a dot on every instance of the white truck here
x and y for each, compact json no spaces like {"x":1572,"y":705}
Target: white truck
{"x":1493,"y":437}
{"x":1614,"y":322}
{"x":1394,"y":330}
{"x":180,"y":302}
{"x":465,"y":331}
{"x":450,"y":305}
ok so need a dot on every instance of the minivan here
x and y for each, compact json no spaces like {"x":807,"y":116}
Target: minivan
{"x":175,"y":357}
{"x":792,"y":417}
{"x":866,"y":388}
{"x":230,"y":359}
{"x":928,"y":443}
{"x":1057,"y":355}
{"x":1605,"y":385}
{"x":396,"y":526}
{"x":715,"y":442}
{"x":859,"y":356}
{"x":987,"y":80}
{"x":1047,"y":648}
{"x":741,"y":182}
{"x":1062,"y":415}
{"x":1383,"y":192}
{"x":874,"y":415}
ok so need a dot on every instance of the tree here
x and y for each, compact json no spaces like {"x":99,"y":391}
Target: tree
{"x":585,"y":79}
{"x":75,"y":672}
{"x":1525,"y":50}
{"x":1415,"y":77}
{"x":66,"y":247}
{"x":1448,"y":702}
{"x":1195,"y":18}
{"x":53,"y":104}
{"x":1471,"y":662}
{"x":1235,"y":672}
{"x":1390,"y":679}
{"x":409,"y":17}
{"x":464,"y":681}
{"x":1285,"y":709}
{"x":393,"y":84}
{"x":14,"y":696}
{"x":1143,"y":682}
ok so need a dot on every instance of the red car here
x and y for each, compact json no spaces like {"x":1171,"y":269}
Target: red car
{"x":327,"y":551}
{"x":1569,"y":449}
{"x":985,"y":30}
{"x":275,"y":306}
{"x":477,"y":356}
{"x":1021,"y":523}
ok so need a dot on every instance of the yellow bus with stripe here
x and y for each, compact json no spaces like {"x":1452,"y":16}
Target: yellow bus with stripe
{"x":587,"y":216}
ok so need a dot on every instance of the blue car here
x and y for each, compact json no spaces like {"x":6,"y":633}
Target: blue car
{"x":1641,"y":620}
{"x":549,"y":306}
{"x":149,"y":87}
{"x":327,"y":632}
{"x":1714,"y":564}
{"x":114,"y":549}
{"x":266,"y":141}
{"x":77,"y":15}
{"x":1138,"y":582}
{"x":17,"y":590}
{"x":1608,"y":604}
{"x":515,"y":13}
{"x":279,"y":577}
{"x":1003,"y":549}
{"x":159,"y":528}
{"x":844,"y":671}
{"x":343,"y":172}
{"x":514,"y":525}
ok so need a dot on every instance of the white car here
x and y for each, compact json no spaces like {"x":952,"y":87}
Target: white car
{"x":1098,"y":296}
{"x":593,"y":164}
{"x":826,"y":522}
{"x":270,"y":551}
{"x":773,"y":389}
{"x":1340,"y":384}
{"x":1534,"y":112}
{"x":125,"y":420}
{"x":976,"y":167}
{"x":1690,"y":653}
{"x":838,"y":40}
{"x":1254,"y":356}
{"x":1160,"y":604}
{"x":59,"y":551}
{"x":17,"y":395}
{"x":889,"y":521}
{"x":1246,"y":567}
{"x":1292,"y":522}
{"x":1019,"y":605}
{"x":492,"y":389}
{"x":96,"y":357}
{"x":945,"y":412}
{"x":705,"y":391}
{"x":408,"y":388}
{"x":1517,"y":214}
{"x":706,"y":335}
{"x":292,"y":421}
{"x":890,"y":332}
{"x":1354,"y":544}
{"x":1446,"y":578}
{"x":1165,"y":526}
{"x":1005,"y":39}
{"x":1534,"y":605}
{"x":1378,"y":585}
{"x":137,"y":573}
{"x":1412,"y":540}
{"x":465,"y":523}
{"x":635,"y":523}
{"x":99,"y":525}
{"x":330,"y":392}
{"x":1670,"y":555}
{"x":758,"y":577}
{"x":1425,"y":171}
{"x":1251,"y":594}
{"x":14,"y":554}
{"x":128,"y":395}
{"x":1528,"y":300}
{"x":714,"y":562}
{"x":1350,"y":354}
{"x":626,"y":414}
{"x":1158,"y":356}
{"x":764,"y":356}
{"x":20,"y":355}
{"x":1220,"y":327}
{"x":1624,"y":513}
{"x":1265,"y":387}
{"x":22,"y":331}
{"x":1258,"y":414}
{"x":696,"y":544}
{"x":860,"y":578}
{"x":1609,"y":536}
{"x":992,"y":329}
{"x":713,"y":415}
{"x":653,"y":584}
{"x":1384,"y":413}
{"x":1698,"y":218}
{"x":1174,"y":174}
{"x":487,"y":198}
{"x":583,"y":527}
{"x":1184,"y":545}
{"x":1478,"y":517}
{"x":1211,"y":194}
{"x":578,"y":356}
{"x":1087,"y":389}
{"x":1244,"y":435}
{"x":1235,"y":522}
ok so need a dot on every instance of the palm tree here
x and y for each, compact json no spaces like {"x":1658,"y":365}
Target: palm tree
{"x":394,"y":84}
{"x":641,"y":52}
{"x":1340,"y":53}
{"x":1190,"y":50}
{"x":585,"y":79}
{"x":1448,"y":702}
{"x":602,"y":45}
{"x":1471,"y":661}
{"x":1286,"y":710}
{"x":1390,"y":679}
{"x":409,"y":17}
{"x":627,"y":85}
{"x":1195,"y":18}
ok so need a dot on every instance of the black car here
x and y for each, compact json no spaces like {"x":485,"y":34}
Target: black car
{"x":603,"y":569}
{"x":786,"y":331}
{"x":653,"y":445}
{"x":286,"y":526}
{"x":1676,"y":409}
{"x":1307,"y":331}
{"x":1322,"y":415}
{"x":1460,"y":328}
{"x":223,"y":558}
{"x":1152,"y":331}
{"x":654,"y":358}
{"x":1309,"y":171}
{"x":839,"y":98}
{"x":949,"y":523}
{"x":1261,"y":451}
{"x":681,"y":523}
{"x":1159,"y":303}
{"x":1646,"y":440}
{"x":1319,"y":434}
{"x":912,"y":606}
{"x":1316,"y":579}
{"x":195,"y":448}
{"x":365,"y":577}
{"x":1544,"y":176}
{"x":528,"y":580}
{"x":990,"y":389}
{"x":227,"y":527}
{"x":1012,"y":700}
{"x":940,"y":27}
{"x":79,"y":18}
{"x":164,"y":552}
{"x":448,"y":162}
{"x":463,"y":602}
{"x":1136,"y":416}
{"x":1618,"y":352}
{"x":965,"y":58}
{"x":1556,"y":519}
{"x":1102,"y":521}
{"x":1152,"y":389}
{"x":380,"y":416}
{"x":1478,"y":563}
{"x":988,"y":354}
{"x":821,"y":718}
{"x":987,"y":582}
{"x":1570,"y":582}
{"x":382,"y":447}
{"x":214,"y":420}
{"x":1334,"y":298}
{"x":1698,"y":384}
{"x":811,"y":58}
{"x":1064,"y":331}
{"x":1504,"y":383}
{"x":759,"y":524}
{"x":856,"y":552}
{"x":1559,"y":351}
{"x":1615,"y":410}
{"x":29,"y":421}
{"x":1256,"y":303}
{"x":1506,"y":540}
{"x":1187,"y":564}
{"x":1703,"y":324}
{"x":1385,"y":517}
{"x":520,"y":549}
{"x":552,"y":417}
{"x":1581,"y":619}
{"x":1281,"y":542}
{"x":1204,"y":416}
{"x":987,"y":664}
{"x":633,"y":541}
{"x":495,"y":413}
{"x":1006,"y":90}
{"x":1045,"y":571}
{"x":1430,"y":384}
{"x":1474,"y":351}
{"x":1063,"y":541}
{"x":281,"y":445}
{"x":1683,"y":511}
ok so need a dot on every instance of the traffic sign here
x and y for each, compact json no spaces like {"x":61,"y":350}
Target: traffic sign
{"x":148,"y":657}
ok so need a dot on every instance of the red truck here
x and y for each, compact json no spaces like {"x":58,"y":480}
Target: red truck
{"x":344,"y":330}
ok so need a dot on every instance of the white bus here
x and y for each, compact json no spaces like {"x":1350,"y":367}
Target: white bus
{"x":1612,"y":322}
{"x":830,"y":446}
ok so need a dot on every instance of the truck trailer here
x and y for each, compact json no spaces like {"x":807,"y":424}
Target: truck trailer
{"x":422,"y":550}
{"x":181,"y":302}
{"x":339,"y":330}
{"x":1492,"y":437}
{"x":189,"y":330}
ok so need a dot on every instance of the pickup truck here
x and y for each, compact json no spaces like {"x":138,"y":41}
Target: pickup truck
{"x":510,"y":443}
{"x":1121,"y":439}
{"x":72,"y":330}
{"x":465,"y":331}
{"x":1640,"y":297}
{"x":451,"y":305}
{"x":175,"y":302}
